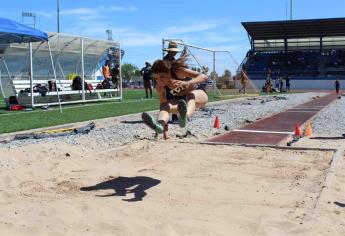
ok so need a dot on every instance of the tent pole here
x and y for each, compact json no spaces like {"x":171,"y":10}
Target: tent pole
{"x":57,"y":89}
{"x":2,"y":91}
{"x":8,"y":71}
{"x":82,"y":69}
{"x":31,"y":76}
{"x":63,"y":74}
{"x":120,"y":66}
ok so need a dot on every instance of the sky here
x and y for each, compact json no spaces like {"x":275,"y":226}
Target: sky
{"x":141,"y":25}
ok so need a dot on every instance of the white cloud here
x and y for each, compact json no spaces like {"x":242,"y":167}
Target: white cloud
{"x":97,"y":10}
{"x":79,"y":11}
{"x":130,"y":8}
{"x":231,"y":47}
{"x":222,"y":37}
{"x":142,"y":40}
{"x":235,"y":29}
{"x":45,"y":14}
{"x":189,"y":28}
{"x":206,"y":33}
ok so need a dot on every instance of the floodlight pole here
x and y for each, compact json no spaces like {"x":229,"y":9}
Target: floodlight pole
{"x":109,"y":34}
{"x":58,"y":15}
{"x":286,"y":10}
{"x":31,"y":15}
{"x":290,"y":9}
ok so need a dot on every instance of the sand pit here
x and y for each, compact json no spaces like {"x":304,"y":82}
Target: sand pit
{"x":164,"y":188}
{"x":119,"y":180}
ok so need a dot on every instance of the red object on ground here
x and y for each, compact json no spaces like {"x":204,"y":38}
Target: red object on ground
{"x":216,"y":123}
{"x":16,"y":107}
{"x":298,"y":130}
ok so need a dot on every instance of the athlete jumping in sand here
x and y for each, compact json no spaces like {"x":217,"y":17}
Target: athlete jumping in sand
{"x":171,"y":77}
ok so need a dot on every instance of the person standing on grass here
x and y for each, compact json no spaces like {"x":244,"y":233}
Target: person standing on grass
{"x":337,"y":86}
{"x":287,"y":83}
{"x":243,"y":81}
{"x":186,"y":95}
{"x":281,"y":82}
{"x":172,"y":51}
{"x":115,"y":75}
{"x":147,"y":77}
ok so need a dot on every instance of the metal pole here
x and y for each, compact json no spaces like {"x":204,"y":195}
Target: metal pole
{"x":31,"y":76}
{"x":53,"y":67}
{"x":286,"y":10}
{"x":58,"y":15}
{"x":162,"y":48}
{"x":214,"y":73}
{"x":109,"y":34}
{"x":290,"y":9}
{"x":2,"y":91}
{"x":8,"y":73}
{"x":120,"y":61}
{"x":82,"y":69}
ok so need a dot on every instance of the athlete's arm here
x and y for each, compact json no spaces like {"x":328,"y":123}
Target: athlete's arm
{"x":161,"y":93}
{"x":197,"y":77}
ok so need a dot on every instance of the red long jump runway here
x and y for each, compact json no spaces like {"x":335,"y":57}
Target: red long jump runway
{"x":275,"y":129}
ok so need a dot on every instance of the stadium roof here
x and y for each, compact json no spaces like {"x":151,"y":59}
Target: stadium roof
{"x":295,"y":28}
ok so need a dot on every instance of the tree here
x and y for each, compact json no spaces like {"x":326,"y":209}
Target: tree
{"x":224,"y":80}
{"x":226,"y":77}
{"x":128,"y":71}
{"x":213,"y":75}
{"x":204,"y":70}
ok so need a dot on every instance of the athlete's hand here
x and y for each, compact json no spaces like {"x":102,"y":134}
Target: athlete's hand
{"x":185,"y":84}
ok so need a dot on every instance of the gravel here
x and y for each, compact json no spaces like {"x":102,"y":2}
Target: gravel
{"x":331,"y":120}
{"x":232,"y":114}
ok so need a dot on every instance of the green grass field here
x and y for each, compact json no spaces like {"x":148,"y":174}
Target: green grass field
{"x":11,"y":121}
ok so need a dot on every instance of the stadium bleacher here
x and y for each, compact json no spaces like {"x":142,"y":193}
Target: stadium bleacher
{"x":303,"y":49}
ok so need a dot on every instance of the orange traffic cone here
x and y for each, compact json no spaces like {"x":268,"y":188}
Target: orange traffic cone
{"x":216,"y":123}
{"x":298,"y":131}
{"x":308,"y":130}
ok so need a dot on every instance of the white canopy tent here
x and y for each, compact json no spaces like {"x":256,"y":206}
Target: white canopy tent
{"x":54,"y":60}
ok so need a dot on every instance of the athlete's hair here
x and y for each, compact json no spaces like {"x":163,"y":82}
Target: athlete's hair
{"x":165,"y":66}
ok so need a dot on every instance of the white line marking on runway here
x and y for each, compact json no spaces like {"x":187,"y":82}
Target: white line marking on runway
{"x":262,"y":131}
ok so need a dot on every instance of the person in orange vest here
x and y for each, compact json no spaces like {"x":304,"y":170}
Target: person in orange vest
{"x":106,"y":70}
